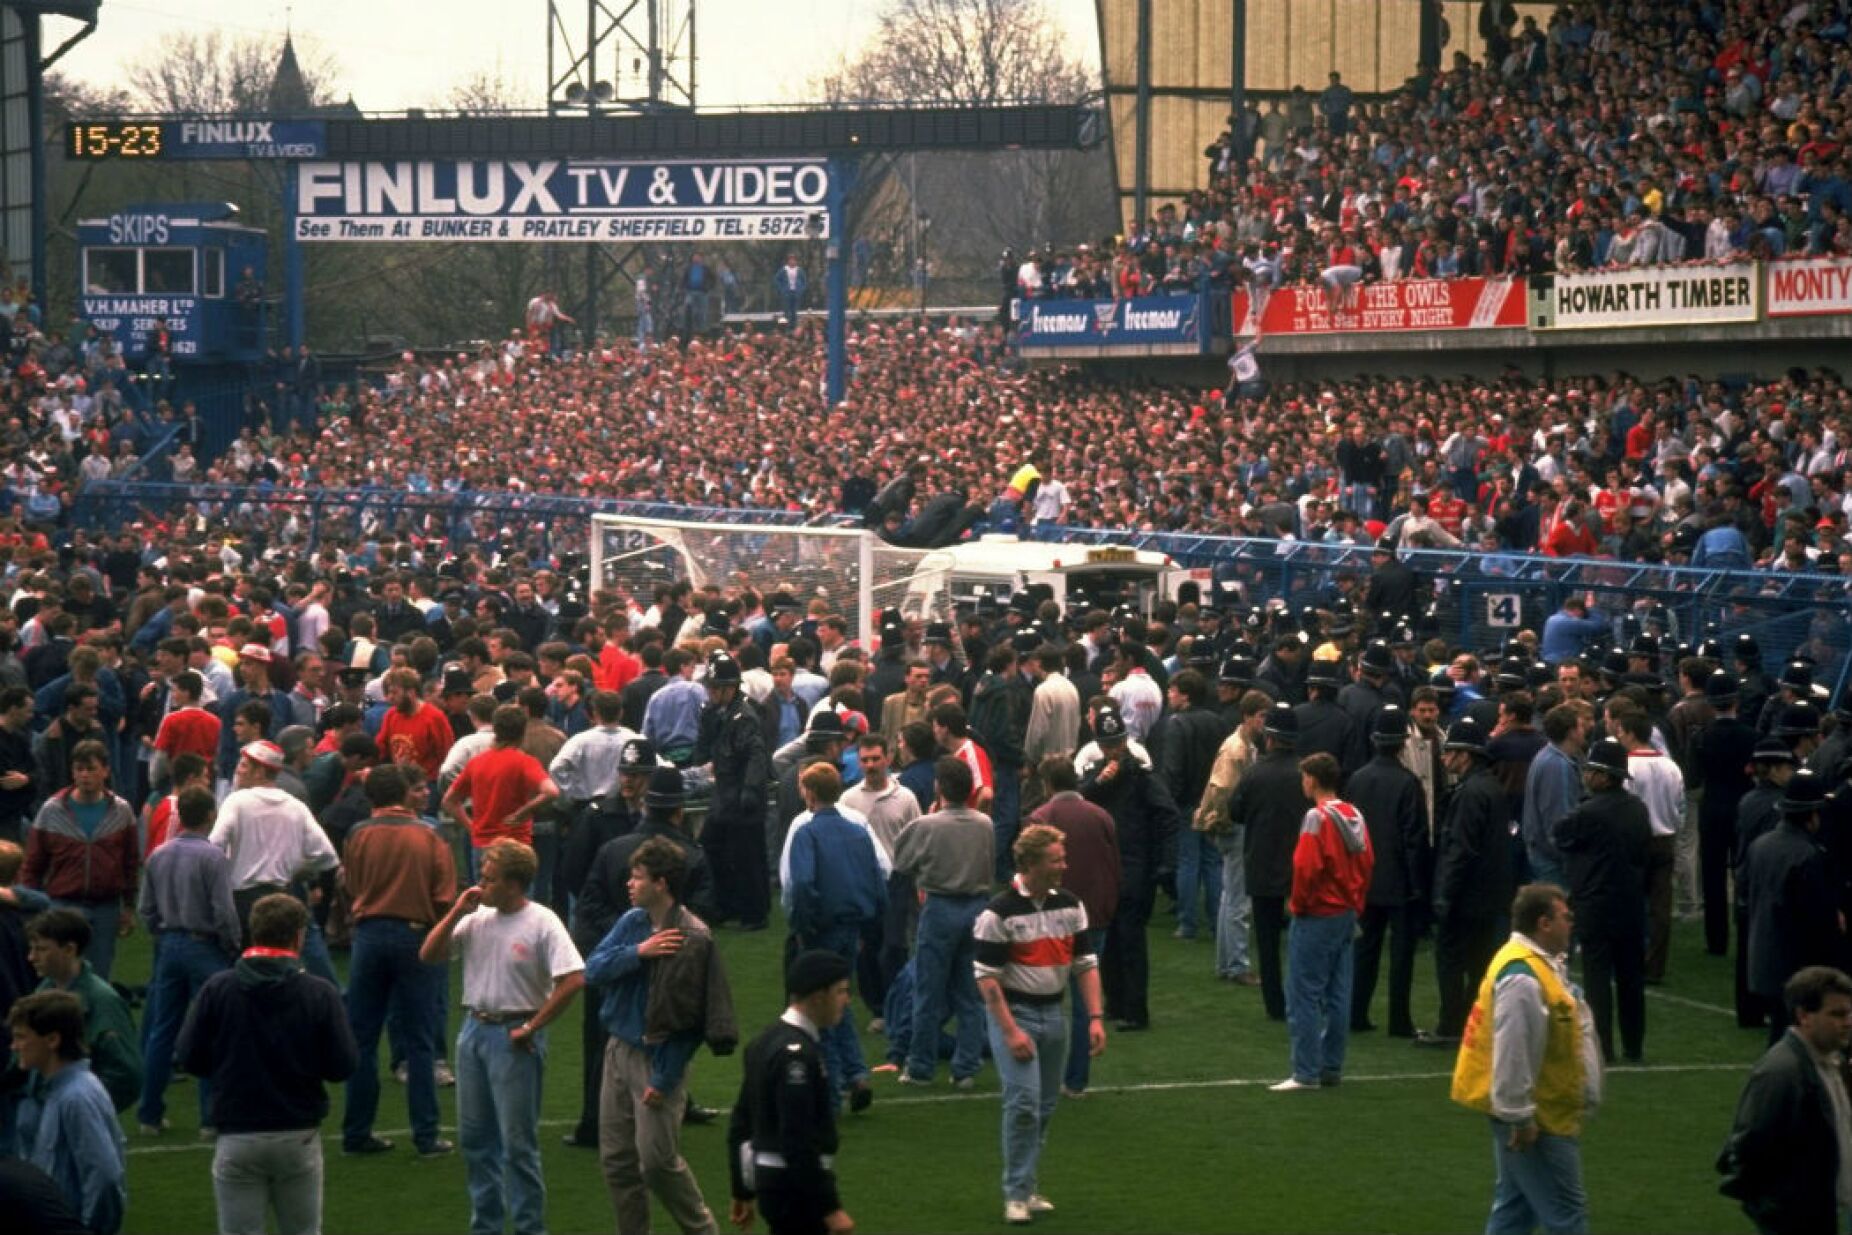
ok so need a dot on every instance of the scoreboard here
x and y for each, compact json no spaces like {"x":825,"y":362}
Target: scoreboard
{"x":98,"y":140}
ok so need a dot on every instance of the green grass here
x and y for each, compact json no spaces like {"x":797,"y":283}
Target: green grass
{"x":1210,"y":1151}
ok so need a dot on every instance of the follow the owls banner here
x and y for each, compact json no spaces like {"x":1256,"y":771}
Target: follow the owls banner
{"x":591,"y":200}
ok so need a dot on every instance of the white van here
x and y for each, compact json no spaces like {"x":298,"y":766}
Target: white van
{"x":1077,"y":575}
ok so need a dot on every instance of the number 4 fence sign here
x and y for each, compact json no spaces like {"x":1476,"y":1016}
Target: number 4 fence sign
{"x":1503,"y":610}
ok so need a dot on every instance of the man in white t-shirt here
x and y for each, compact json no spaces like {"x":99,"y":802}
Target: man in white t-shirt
{"x":271,"y":837}
{"x":1051,"y":500}
{"x":520,"y":970}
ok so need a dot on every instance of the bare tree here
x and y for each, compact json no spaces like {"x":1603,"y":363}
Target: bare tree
{"x":212,"y":74}
{"x":483,"y":94}
{"x":962,"y":51}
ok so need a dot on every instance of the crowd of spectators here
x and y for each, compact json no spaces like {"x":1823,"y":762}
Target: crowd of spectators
{"x":1612,"y":135}
{"x":1597,"y":464}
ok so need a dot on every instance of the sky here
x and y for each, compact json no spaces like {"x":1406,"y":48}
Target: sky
{"x":395,"y":54}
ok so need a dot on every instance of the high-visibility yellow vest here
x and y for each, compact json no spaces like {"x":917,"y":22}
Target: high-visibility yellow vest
{"x":1560,"y":1091}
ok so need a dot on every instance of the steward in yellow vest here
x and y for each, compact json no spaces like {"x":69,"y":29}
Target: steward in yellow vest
{"x":1530,"y":1060}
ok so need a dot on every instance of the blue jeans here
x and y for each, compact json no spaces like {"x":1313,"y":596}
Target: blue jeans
{"x":1199,"y":866}
{"x":103,"y":916}
{"x":1358,"y":498}
{"x":1231,"y":924}
{"x":1319,"y":953}
{"x":945,"y":983}
{"x":181,"y":966}
{"x":1006,"y":815}
{"x":842,"y":1050}
{"x":498,"y":1123}
{"x":386,"y":982}
{"x":1540,"y":1187}
{"x":1031,"y":1090}
{"x":1079,"y":1053}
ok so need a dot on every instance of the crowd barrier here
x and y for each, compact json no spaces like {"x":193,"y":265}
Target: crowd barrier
{"x":1479,"y":598}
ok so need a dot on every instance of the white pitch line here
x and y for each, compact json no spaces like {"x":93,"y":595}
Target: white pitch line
{"x":1682,"y":1001}
{"x":1233,"y":1082}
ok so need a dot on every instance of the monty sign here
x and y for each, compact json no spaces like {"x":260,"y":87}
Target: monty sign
{"x":562,"y":199}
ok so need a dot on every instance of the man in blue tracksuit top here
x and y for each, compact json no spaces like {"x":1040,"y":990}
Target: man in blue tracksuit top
{"x":1569,"y":629}
{"x":836,"y":889}
{"x":644,"y":1093}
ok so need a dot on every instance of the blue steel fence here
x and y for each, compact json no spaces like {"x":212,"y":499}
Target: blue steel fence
{"x":1480,"y":598}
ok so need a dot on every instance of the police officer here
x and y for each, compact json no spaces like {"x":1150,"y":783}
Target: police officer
{"x":1269,"y":805}
{"x":1323,"y":726}
{"x":1793,"y":912}
{"x":732,"y":741}
{"x":1720,"y":759}
{"x":1373,"y":689}
{"x":1116,"y":774}
{"x":1473,"y":882}
{"x":1771,"y":764}
{"x":782,"y":1140}
{"x":1395,"y":811}
{"x":1605,"y":842}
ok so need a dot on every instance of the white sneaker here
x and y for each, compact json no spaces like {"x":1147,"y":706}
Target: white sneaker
{"x":1016,"y":1213}
{"x":1039,"y":1204}
{"x":1291,"y":1085}
{"x":446,"y":1079}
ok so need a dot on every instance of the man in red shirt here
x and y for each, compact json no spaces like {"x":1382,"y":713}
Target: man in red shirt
{"x":953,"y":732}
{"x":1332,"y":861}
{"x":413,"y":731}
{"x":187,"y":730}
{"x":504,"y":786}
{"x":1448,"y":509}
{"x":1568,"y":537}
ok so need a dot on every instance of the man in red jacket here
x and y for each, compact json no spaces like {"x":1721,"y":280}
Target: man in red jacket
{"x":1331,"y":873}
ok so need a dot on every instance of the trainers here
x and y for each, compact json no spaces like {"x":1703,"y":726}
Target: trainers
{"x":965,"y":1084}
{"x":1076,"y":1094}
{"x":208,"y":1133}
{"x":153,"y":1129}
{"x":446,"y":1079}
{"x":400,"y":1073}
{"x":877,"y":1025}
{"x":1016,"y":1212}
{"x":1039,"y":1204}
{"x":367,"y":1148}
{"x":1246,"y":979}
{"x":439,"y":1148}
{"x":907,"y":1078}
{"x":1292,"y":1084}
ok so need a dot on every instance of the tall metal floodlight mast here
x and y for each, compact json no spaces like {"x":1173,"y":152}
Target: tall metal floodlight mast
{"x":618,"y":57}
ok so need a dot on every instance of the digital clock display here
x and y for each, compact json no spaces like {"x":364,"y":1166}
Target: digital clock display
{"x":115,"y":140}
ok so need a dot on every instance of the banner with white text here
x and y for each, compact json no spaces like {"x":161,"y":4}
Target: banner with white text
{"x":588,"y":200}
{"x":1646,"y":296}
{"x":1810,"y":287}
{"x":1395,"y":306}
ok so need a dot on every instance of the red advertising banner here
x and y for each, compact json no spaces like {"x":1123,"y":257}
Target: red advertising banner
{"x":1809,"y":287}
{"x":1404,"y":305}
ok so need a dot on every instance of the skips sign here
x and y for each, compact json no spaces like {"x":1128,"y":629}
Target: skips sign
{"x":591,"y":200}
{"x":1141,"y":325}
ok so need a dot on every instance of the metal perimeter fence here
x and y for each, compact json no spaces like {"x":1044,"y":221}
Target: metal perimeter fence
{"x":1479,"y":599}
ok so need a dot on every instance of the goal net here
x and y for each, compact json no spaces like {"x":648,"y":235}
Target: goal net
{"x":853,"y":570}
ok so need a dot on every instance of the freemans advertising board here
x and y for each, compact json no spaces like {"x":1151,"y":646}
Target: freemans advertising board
{"x":1810,"y":287}
{"x":590,"y":200}
{"x":1399,"y":305}
{"x":1646,"y":296}
{"x":1168,"y":323}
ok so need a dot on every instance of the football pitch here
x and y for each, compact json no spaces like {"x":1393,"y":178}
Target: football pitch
{"x":1178,"y":1133}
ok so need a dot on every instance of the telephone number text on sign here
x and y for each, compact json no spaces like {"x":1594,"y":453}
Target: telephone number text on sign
{"x":627,"y":227}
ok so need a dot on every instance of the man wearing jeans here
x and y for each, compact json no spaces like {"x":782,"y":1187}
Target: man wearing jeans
{"x":1029,"y":938}
{"x":1530,"y":1061}
{"x":837,"y":889}
{"x":948,"y":854}
{"x":1236,"y":754}
{"x":186,"y":900}
{"x":402,"y":879}
{"x":520,"y":970}
{"x":269,"y":1037}
{"x":1331,"y":873}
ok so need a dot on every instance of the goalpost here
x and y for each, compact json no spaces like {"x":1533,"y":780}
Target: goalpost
{"x":854,"y":570}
